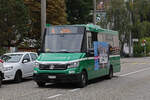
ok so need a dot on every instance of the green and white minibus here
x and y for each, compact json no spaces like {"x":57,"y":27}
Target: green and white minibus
{"x":76,"y":54}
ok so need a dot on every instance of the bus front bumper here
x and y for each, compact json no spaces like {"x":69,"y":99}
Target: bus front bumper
{"x":57,"y":78}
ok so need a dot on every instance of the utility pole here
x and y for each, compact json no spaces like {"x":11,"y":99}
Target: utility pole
{"x":130,"y":44}
{"x":94,"y":12}
{"x":130,"y":35}
{"x":43,"y":17}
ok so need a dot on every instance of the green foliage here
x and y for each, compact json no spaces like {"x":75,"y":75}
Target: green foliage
{"x":118,"y":18}
{"x":143,"y":29}
{"x":56,"y":12}
{"x":139,"y":49}
{"x":2,"y":51}
{"x":141,"y":18}
{"x":56,"y":15}
{"x":132,"y":16}
{"x":14,"y":20}
{"x":79,"y":11}
{"x":147,"y":44}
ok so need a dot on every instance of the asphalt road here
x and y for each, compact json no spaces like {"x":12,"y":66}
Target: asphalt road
{"x":132,"y":83}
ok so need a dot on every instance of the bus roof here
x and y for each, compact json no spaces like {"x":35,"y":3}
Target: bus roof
{"x":96,"y":28}
{"x":93,"y":28}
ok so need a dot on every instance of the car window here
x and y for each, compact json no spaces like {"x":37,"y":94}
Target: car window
{"x":33,"y":56}
{"x":11,"y":58}
{"x":26,"y":57}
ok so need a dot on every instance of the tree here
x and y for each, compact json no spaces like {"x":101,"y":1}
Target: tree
{"x":14,"y":22}
{"x":56,"y":15}
{"x":118,"y":18}
{"x":141,"y":18}
{"x":132,"y":16}
{"x":79,"y":11}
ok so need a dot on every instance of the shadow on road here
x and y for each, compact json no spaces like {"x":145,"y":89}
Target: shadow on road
{"x":73,"y":86}
{"x":100,"y":79}
{"x":61,"y":85}
{"x":13,"y":82}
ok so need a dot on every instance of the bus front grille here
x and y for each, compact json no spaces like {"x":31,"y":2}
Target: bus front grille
{"x":52,"y":67}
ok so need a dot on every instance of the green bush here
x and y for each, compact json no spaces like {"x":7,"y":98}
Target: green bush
{"x":2,"y":51}
{"x":138,"y":49}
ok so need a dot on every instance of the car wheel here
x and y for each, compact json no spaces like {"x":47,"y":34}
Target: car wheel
{"x":40,"y":84}
{"x":110,"y":75}
{"x":83,"y":80}
{"x":0,"y":80}
{"x":18,"y":77}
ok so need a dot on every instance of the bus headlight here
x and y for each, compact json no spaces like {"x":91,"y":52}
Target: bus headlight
{"x":73,"y":65}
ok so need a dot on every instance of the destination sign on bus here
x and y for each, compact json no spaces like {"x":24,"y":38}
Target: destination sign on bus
{"x":63,"y":30}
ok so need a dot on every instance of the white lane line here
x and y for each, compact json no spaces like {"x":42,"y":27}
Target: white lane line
{"x":74,"y":90}
{"x":54,"y":96}
{"x":135,"y":72}
{"x":57,"y":95}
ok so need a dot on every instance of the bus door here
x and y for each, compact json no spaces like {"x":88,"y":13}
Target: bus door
{"x":91,"y":37}
{"x":101,"y":58}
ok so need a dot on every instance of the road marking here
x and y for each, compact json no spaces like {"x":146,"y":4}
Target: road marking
{"x":57,"y":95}
{"x":140,"y":63}
{"x":54,"y":96}
{"x":135,"y":72}
{"x":144,"y":63}
{"x":74,"y":90}
{"x":135,"y":62}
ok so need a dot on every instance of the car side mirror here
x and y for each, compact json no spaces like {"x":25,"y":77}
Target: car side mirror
{"x":25,"y":61}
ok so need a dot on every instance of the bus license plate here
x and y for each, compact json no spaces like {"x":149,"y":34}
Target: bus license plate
{"x":52,"y":77}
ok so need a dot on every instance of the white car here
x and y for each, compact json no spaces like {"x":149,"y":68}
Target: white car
{"x":1,"y":72}
{"x":18,"y":65}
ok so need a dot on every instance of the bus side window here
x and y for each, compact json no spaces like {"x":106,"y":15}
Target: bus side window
{"x":91,"y":37}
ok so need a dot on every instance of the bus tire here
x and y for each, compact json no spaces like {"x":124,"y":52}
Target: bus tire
{"x":0,"y":80}
{"x":18,"y":76}
{"x":40,"y":84}
{"x":110,"y":75}
{"x":83,"y":80}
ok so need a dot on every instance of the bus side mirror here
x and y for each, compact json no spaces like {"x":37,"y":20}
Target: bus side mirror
{"x":110,"y":50}
{"x":90,"y":52}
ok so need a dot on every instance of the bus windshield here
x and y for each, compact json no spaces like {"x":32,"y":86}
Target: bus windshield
{"x":63,"y":39}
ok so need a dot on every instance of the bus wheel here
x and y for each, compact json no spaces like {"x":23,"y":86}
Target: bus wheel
{"x":83,"y":80}
{"x":0,"y":80}
{"x":110,"y":75}
{"x":40,"y":84}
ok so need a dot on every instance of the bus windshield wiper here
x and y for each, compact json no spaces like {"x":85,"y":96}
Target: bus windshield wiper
{"x":63,"y":51}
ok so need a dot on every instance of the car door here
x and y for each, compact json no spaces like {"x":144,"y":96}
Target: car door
{"x":26,"y":65}
{"x":33,"y":58}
